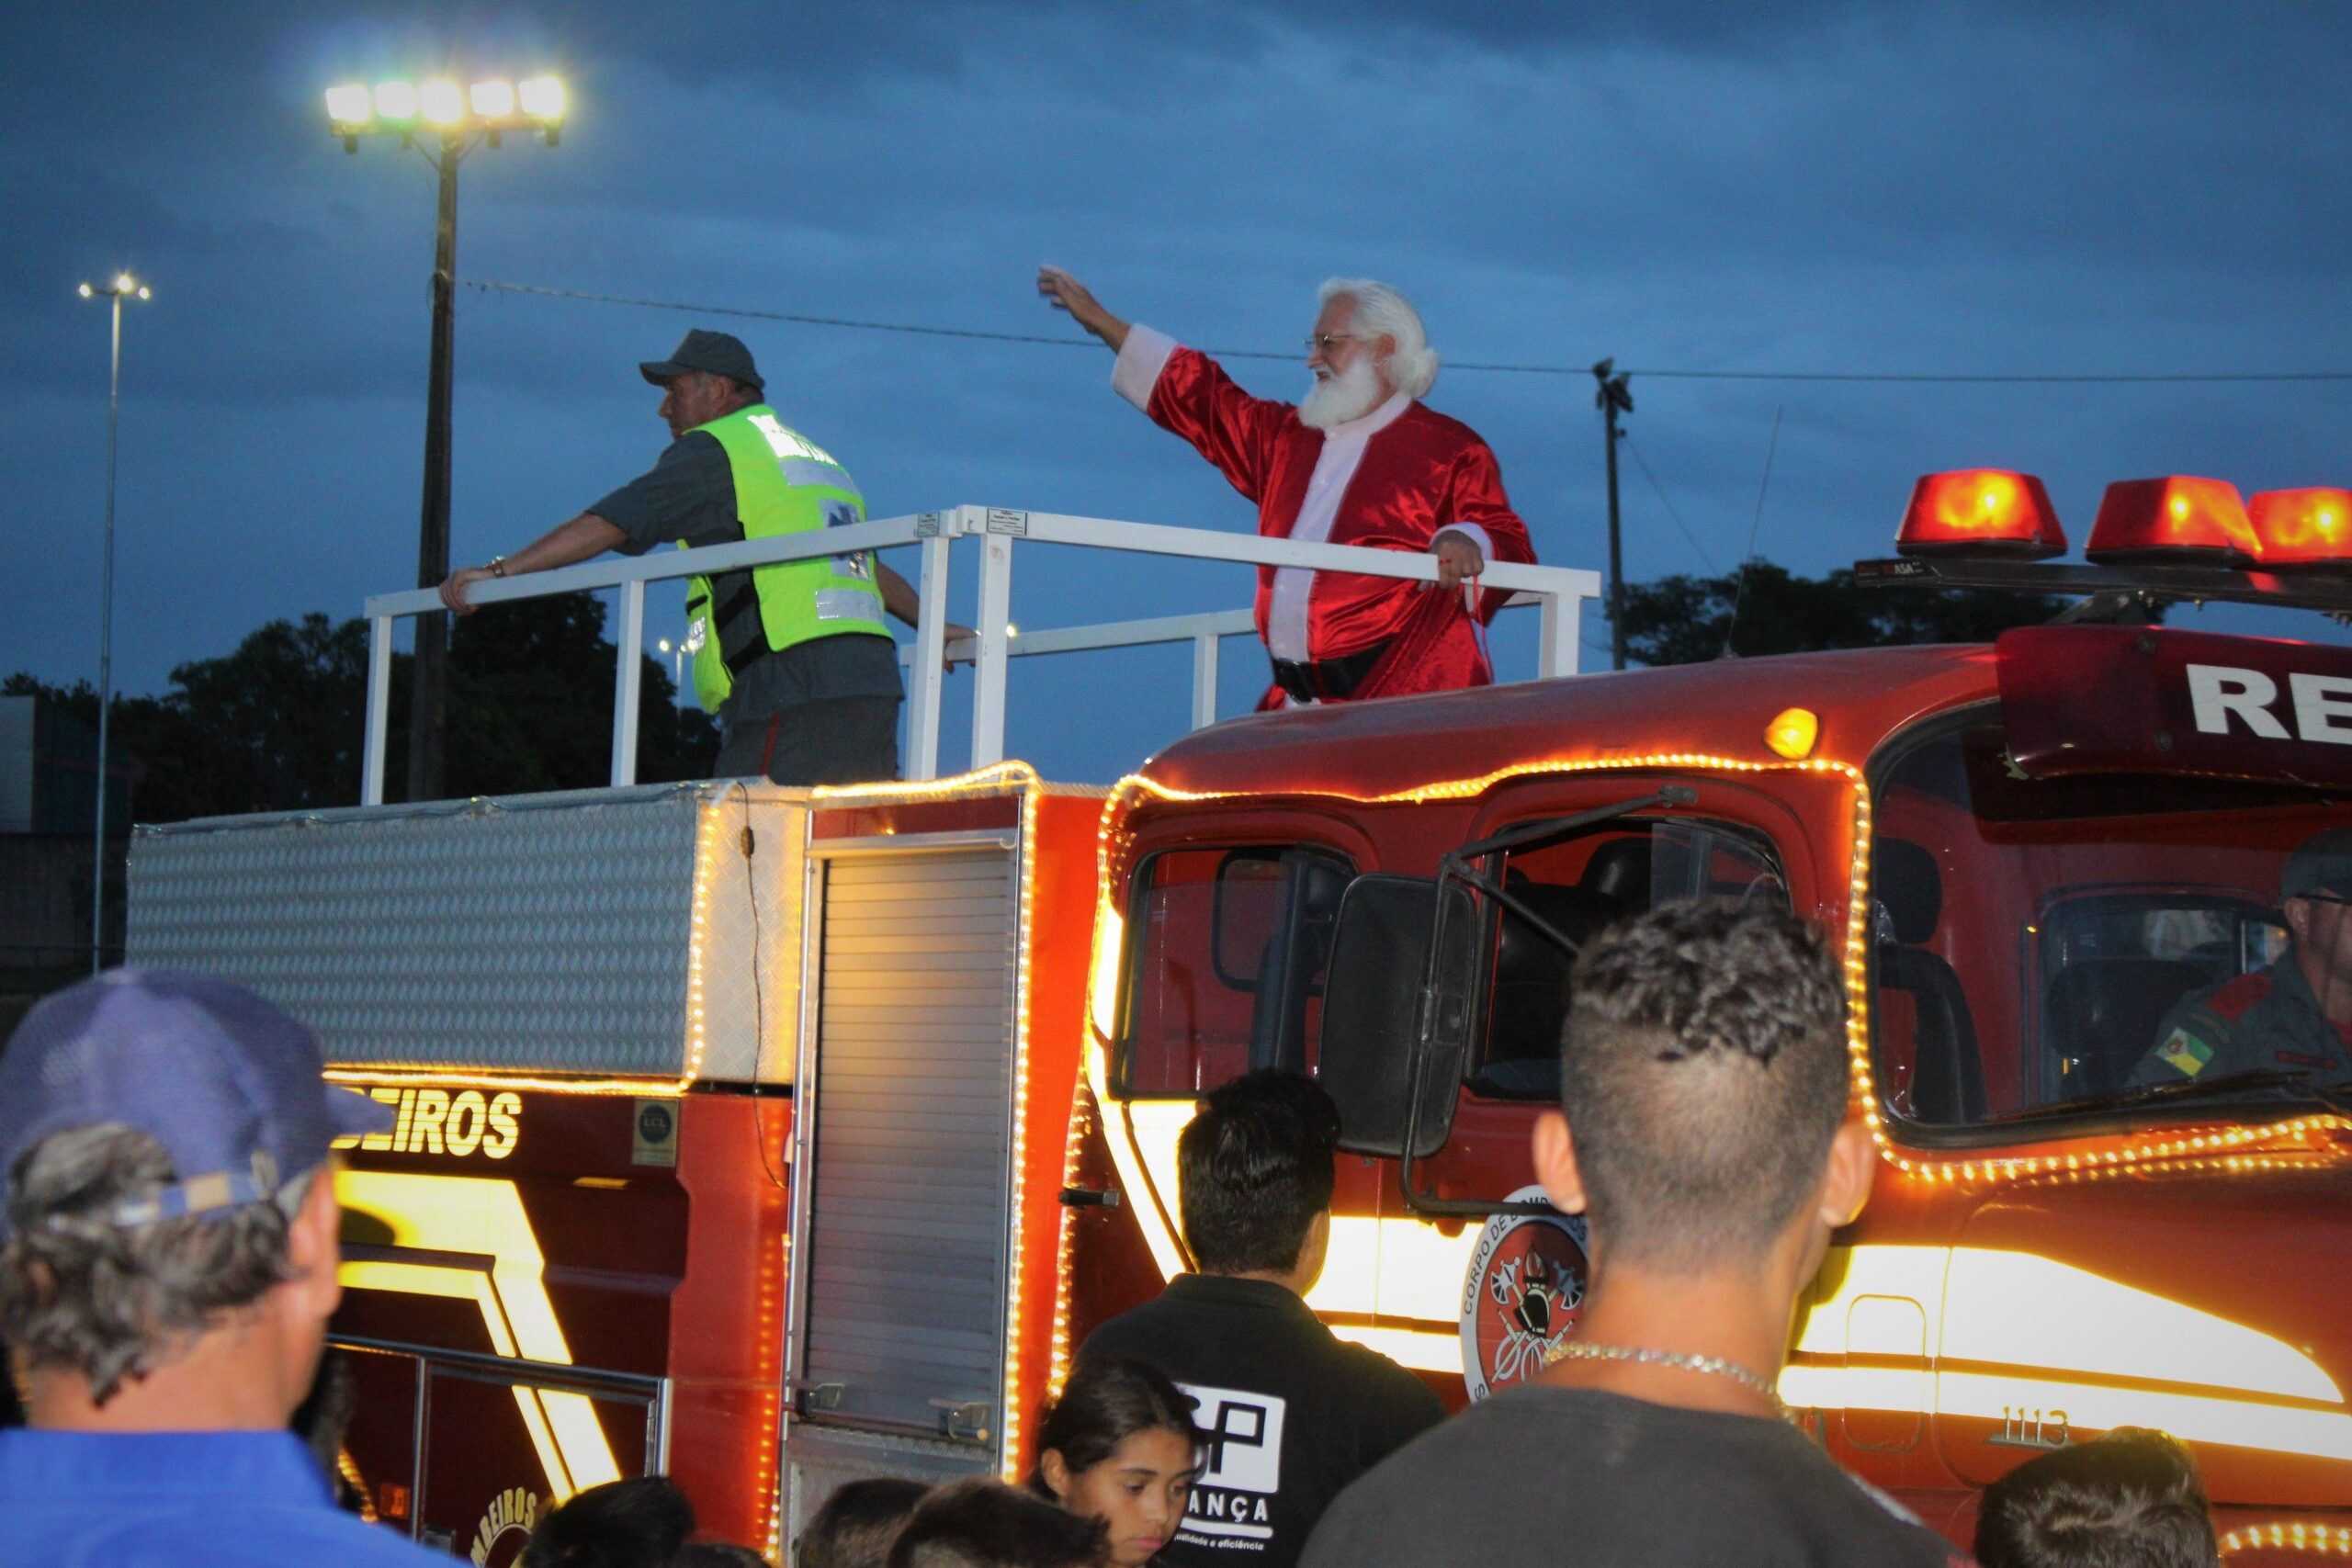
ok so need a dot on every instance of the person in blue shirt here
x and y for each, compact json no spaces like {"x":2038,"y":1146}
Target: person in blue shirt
{"x":167,"y":1266}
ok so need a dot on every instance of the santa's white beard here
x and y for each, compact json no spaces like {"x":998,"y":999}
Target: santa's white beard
{"x":1351,"y":394}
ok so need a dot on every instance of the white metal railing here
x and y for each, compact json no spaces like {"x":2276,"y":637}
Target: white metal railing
{"x":1558,"y":592}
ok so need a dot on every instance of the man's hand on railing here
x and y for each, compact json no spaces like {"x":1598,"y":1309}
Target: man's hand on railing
{"x":1458,"y":557}
{"x":956,"y":632}
{"x":453,"y":587}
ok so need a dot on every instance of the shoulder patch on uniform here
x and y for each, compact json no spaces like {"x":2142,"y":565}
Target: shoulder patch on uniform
{"x":2234,"y":1001}
{"x":2184,"y":1052}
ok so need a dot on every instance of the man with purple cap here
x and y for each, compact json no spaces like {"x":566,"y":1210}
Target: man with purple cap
{"x":167,"y":1266}
{"x":2293,"y":1017}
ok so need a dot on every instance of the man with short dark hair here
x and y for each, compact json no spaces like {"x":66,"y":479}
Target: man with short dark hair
{"x":793,"y":658}
{"x":854,"y":1528}
{"x":986,"y":1524}
{"x":167,"y":1266}
{"x":1705,"y":1092}
{"x":1292,"y":1414}
{"x":2130,"y":1496}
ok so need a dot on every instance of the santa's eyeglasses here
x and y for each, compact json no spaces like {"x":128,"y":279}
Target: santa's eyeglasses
{"x":1327,"y":341}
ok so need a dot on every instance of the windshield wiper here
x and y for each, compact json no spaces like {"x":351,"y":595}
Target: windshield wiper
{"x":2299,"y":1083}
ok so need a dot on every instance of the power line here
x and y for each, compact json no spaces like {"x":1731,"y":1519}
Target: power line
{"x":1042,"y":340}
{"x":1644,"y":464}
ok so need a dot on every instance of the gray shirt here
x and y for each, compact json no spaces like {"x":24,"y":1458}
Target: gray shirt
{"x":689,"y":494}
{"x":1545,"y":1477}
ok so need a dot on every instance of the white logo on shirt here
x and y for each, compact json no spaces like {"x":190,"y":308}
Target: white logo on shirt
{"x":1241,"y":1466}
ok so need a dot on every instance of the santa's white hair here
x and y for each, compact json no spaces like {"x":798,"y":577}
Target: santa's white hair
{"x":1381,"y":311}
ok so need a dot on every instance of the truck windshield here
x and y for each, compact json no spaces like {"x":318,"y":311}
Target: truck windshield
{"x":2036,"y":942}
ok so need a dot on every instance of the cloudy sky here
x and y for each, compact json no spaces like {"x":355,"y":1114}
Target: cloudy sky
{"x":1877,"y":187}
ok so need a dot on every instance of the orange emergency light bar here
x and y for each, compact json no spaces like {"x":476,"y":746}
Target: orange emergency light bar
{"x":2174,"y":519}
{"x":1981,"y":512}
{"x":2304,"y":527}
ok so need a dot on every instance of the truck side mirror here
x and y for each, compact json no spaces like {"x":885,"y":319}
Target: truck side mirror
{"x":1391,"y":1018}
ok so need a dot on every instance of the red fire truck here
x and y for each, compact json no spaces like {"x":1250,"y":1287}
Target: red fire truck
{"x":768,"y":1137}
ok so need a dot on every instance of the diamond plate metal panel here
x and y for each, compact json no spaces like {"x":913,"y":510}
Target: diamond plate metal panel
{"x":544,"y":933}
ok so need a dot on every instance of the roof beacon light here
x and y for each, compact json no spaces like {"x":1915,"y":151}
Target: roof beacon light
{"x":2304,"y":527}
{"x":2175,"y":520}
{"x":1981,"y":512}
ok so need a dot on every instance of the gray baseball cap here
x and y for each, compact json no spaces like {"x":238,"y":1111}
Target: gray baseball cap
{"x":2321,"y":863}
{"x":720,"y":353}
{"x":226,"y":1082}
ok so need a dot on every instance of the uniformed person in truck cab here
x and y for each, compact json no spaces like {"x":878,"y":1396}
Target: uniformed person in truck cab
{"x":2296,"y":1015}
{"x":793,"y":658}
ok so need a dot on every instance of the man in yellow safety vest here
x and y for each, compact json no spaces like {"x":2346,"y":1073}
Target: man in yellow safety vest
{"x":793,"y":658}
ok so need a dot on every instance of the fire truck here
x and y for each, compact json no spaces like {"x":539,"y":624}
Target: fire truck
{"x":768,"y":1138}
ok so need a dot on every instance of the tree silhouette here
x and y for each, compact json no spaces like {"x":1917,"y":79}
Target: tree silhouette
{"x":276,"y":725}
{"x":1688,"y":620}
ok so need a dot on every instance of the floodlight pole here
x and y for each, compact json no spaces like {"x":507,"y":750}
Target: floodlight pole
{"x":429,"y":672}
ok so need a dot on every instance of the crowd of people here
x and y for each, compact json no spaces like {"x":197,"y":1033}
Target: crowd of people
{"x":168,"y":1252}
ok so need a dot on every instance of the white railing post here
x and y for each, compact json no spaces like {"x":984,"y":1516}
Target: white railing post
{"x":1204,"y":679}
{"x":379,"y":710}
{"x":628,"y":681}
{"x":1556,"y":654}
{"x":998,"y":530}
{"x":927,"y":690}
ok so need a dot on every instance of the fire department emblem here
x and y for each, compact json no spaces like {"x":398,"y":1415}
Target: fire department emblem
{"x":1523,"y":1294}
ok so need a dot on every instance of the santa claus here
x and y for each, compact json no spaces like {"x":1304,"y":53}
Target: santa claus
{"x":1361,"y":461}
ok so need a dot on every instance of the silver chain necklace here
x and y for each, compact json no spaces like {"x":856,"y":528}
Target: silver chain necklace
{"x":1714,"y":1366}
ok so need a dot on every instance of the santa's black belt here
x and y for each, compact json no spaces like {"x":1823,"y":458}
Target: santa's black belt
{"x":1325,"y":680}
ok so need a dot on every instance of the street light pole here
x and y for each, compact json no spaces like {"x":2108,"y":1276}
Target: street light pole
{"x":428,"y":672}
{"x":124,"y":286}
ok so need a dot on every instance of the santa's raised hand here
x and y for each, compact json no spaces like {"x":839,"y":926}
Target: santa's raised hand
{"x":1065,"y":293}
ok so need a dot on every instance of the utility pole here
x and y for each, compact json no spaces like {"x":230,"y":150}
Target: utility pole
{"x":429,"y":672}
{"x":1612,"y":399}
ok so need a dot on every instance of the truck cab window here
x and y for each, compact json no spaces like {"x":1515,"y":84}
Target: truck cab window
{"x":2030,"y":937}
{"x":1580,"y":886}
{"x":1228,"y":950}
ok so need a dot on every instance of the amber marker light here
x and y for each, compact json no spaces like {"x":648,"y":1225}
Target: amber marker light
{"x":1980,"y":512}
{"x":2177,"y":519}
{"x":2304,"y":527}
{"x":1792,"y":733}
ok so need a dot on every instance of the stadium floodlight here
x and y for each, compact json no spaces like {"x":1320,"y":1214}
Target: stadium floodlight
{"x":396,"y":101}
{"x":495,"y":100}
{"x":441,"y":103}
{"x":541,"y":98}
{"x":349,"y":103}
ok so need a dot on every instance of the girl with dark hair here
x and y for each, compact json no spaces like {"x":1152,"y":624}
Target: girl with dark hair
{"x":1120,"y":1446}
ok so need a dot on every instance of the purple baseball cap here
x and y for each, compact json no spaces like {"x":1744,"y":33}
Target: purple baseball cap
{"x":229,"y":1084}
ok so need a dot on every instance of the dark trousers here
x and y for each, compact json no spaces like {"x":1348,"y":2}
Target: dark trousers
{"x":837,"y":740}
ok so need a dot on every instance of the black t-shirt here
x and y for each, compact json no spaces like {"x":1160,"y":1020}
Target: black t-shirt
{"x":1539,"y":1475}
{"x":1293,"y":1414}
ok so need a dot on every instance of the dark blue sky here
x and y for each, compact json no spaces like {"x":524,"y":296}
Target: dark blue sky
{"x":1883,"y":187}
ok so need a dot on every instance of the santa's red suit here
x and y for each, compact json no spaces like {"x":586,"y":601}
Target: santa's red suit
{"x":1393,"y":479}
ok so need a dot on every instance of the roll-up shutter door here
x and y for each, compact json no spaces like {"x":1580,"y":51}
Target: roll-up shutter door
{"x":910,"y":1187}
